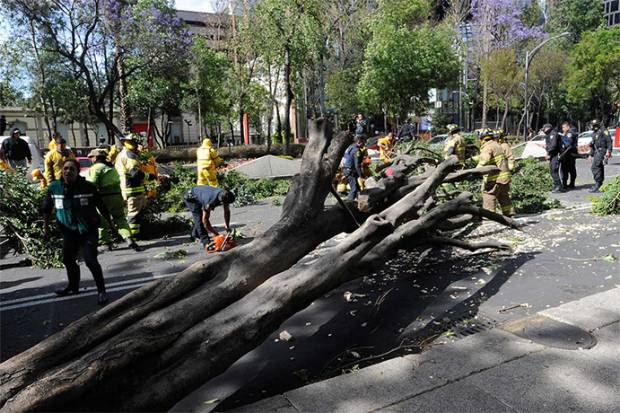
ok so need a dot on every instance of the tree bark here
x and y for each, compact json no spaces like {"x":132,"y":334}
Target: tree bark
{"x":148,"y":349}
{"x":289,"y":97}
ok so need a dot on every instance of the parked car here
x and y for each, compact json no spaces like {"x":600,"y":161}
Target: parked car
{"x":438,"y":140}
{"x":585,"y":138}
{"x":85,"y":164}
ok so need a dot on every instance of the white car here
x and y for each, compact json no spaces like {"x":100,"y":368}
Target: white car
{"x":35,"y":153}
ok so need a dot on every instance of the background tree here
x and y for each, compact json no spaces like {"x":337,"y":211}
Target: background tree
{"x":406,"y":57}
{"x":593,"y":77}
{"x":546,"y":72}
{"x":576,"y":17}
{"x":503,"y":75}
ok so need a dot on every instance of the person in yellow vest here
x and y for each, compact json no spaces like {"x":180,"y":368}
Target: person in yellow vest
{"x":386,"y":148}
{"x":37,"y":175}
{"x":501,"y":139}
{"x":208,"y":161}
{"x":149,"y":167}
{"x":55,"y":159}
{"x":455,"y":144}
{"x":129,"y":167}
{"x":496,"y":186}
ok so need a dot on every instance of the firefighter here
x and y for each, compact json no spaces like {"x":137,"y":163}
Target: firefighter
{"x":455,"y":144}
{"x":496,"y":186}
{"x":55,"y":158}
{"x":386,"y":148}
{"x":500,"y":135}
{"x":133,"y":179}
{"x":107,"y":181}
{"x":208,"y":161}
{"x":600,"y":152}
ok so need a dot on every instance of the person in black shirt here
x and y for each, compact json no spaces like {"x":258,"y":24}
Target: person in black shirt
{"x":600,"y":151}
{"x":568,"y":155}
{"x":15,"y":150}
{"x":553,"y":146}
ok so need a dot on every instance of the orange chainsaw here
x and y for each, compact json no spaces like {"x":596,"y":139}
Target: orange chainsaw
{"x":221,"y":243}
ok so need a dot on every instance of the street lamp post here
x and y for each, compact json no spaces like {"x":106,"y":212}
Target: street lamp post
{"x":528,"y":56}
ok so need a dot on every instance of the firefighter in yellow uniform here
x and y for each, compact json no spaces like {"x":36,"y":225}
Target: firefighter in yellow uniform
{"x":55,"y":159}
{"x":386,"y":147}
{"x":149,"y":167}
{"x":455,"y":144}
{"x":501,"y":139}
{"x":208,"y":161}
{"x":37,"y":176}
{"x":496,"y":186}
{"x":129,"y":167}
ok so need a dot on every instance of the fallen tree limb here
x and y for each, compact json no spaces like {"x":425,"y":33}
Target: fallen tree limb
{"x":157,"y":344}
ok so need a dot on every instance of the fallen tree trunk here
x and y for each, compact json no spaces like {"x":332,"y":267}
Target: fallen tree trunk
{"x":153,"y":346}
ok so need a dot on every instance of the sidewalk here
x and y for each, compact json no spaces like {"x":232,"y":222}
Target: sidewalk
{"x":491,"y":371}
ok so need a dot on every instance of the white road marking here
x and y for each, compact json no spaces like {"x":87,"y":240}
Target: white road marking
{"x":49,"y":298}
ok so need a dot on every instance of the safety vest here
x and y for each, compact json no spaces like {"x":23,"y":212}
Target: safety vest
{"x":457,"y":142}
{"x":105,"y":178}
{"x":129,"y":170}
{"x":75,"y":205}
{"x":491,"y":153}
{"x":53,"y":164}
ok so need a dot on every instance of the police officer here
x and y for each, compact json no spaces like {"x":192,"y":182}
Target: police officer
{"x":600,"y":152}
{"x":568,"y":156}
{"x":352,"y":165}
{"x":553,"y":146}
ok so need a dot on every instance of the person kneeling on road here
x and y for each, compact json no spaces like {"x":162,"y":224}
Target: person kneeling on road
{"x":76,"y":202}
{"x":200,"y":201}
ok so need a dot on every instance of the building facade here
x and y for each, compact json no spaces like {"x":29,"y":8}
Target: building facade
{"x":612,"y":12}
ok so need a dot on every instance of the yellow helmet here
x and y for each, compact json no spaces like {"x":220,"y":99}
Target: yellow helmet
{"x":486,"y":134}
{"x":36,"y":173}
{"x":207,"y":142}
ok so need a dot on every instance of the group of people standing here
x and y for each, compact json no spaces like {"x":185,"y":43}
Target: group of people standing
{"x":562,"y":153}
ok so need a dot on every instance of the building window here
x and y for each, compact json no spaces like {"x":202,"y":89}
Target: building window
{"x":612,"y":12}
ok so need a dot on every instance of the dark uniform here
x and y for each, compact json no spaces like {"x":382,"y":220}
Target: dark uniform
{"x":199,"y":198}
{"x":352,"y":168}
{"x":553,"y":146}
{"x":600,"y":146}
{"x":76,"y":212}
{"x":568,"y":158}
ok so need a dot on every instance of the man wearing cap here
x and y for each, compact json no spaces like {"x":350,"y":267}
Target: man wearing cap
{"x":107,"y":181}
{"x":55,"y":158}
{"x":129,"y":167}
{"x":568,"y":167}
{"x":455,"y":144}
{"x":15,"y":150}
{"x":553,"y":146}
{"x":496,"y":186}
{"x":200,"y":201}
{"x":600,"y":151}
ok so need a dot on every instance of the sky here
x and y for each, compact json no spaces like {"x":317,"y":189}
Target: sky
{"x":194,"y":5}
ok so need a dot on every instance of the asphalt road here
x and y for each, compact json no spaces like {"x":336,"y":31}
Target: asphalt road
{"x":559,"y":257}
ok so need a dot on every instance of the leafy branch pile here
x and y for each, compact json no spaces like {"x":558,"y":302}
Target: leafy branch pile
{"x":609,"y":202}
{"x":21,"y":221}
{"x":530,"y":185}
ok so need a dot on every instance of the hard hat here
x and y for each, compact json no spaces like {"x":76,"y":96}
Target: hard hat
{"x":453,"y":128}
{"x":97,"y":153}
{"x":207,"y":142}
{"x":36,"y":173}
{"x":133,"y":137}
{"x":486,"y":133}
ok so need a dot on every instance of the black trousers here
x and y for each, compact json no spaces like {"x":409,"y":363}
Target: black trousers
{"x":554,"y":170}
{"x":72,"y":243}
{"x":351,"y":175}
{"x":568,"y":169}
{"x":598,"y":168}
{"x":198,"y":230}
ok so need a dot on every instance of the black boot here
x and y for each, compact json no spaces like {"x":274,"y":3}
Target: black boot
{"x":66,"y":291}
{"x":595,"y":189}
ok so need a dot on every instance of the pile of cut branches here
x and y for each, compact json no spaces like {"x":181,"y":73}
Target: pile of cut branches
{"x":155,"y":345}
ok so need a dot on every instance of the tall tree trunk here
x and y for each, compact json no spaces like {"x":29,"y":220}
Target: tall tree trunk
{"x":43,"y":74}
{"x":289,"y":98}
{"x":506,"y":107}
{"x":485,"y":102}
